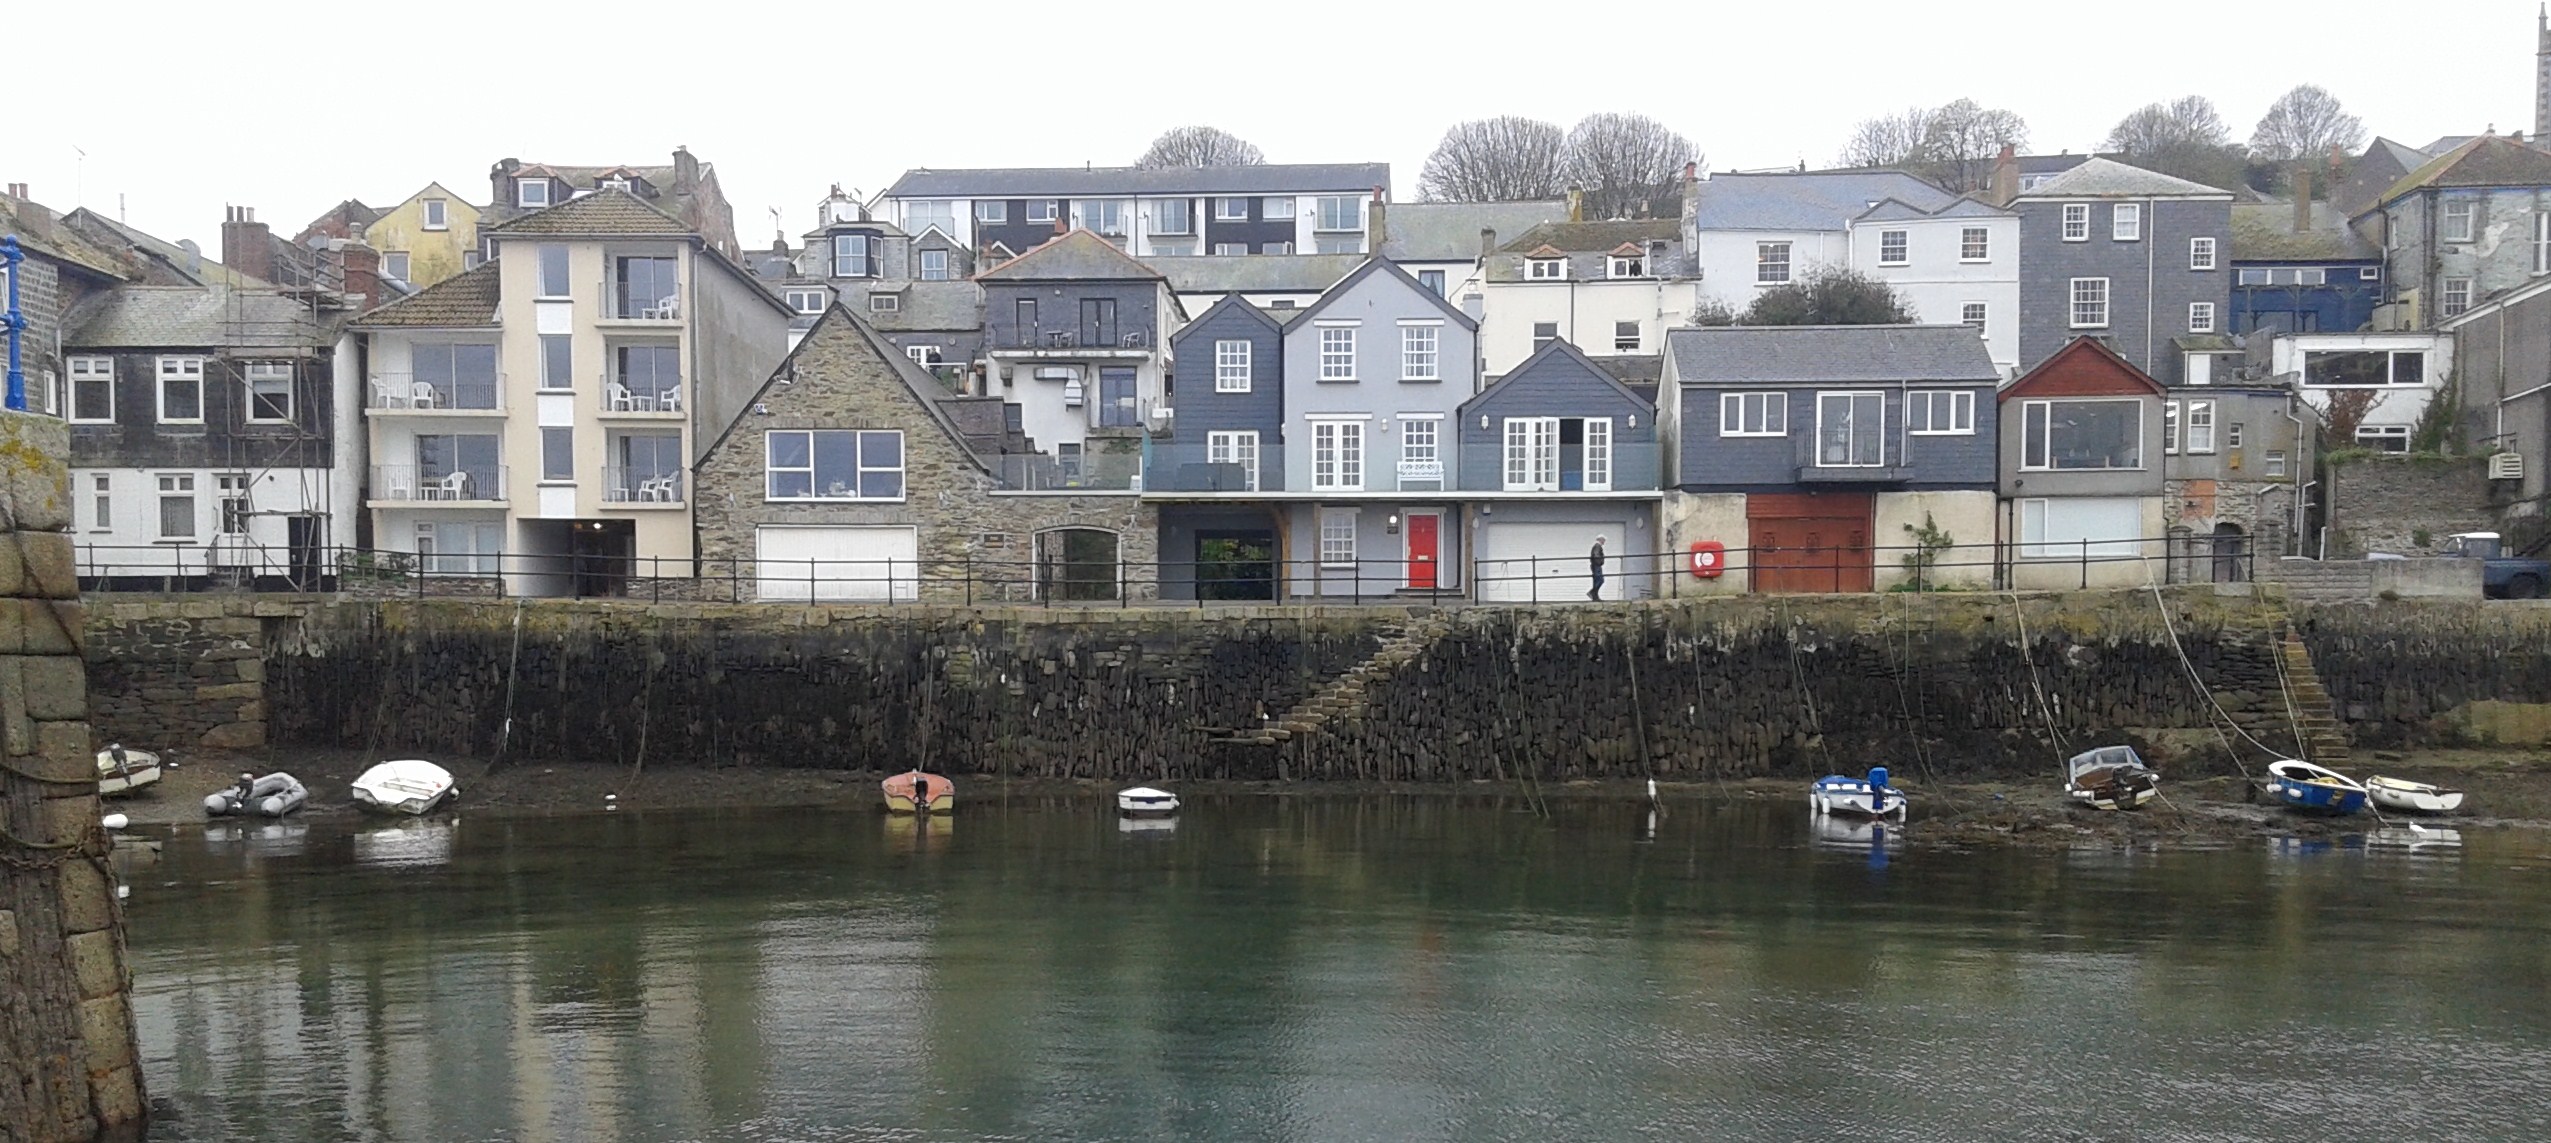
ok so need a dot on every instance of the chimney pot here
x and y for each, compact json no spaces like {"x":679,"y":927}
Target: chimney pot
{"x":18,"y":191}
{"x":2302,"y":197}
{"x":1487,"y":241}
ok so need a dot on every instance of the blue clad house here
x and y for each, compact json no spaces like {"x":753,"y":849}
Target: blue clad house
{"x":2301,"y":271}
{"x":1223,"y":452}
{"x":1814,"y":455}
{"x":1558,"y":453}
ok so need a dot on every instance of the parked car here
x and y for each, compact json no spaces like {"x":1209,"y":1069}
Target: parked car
{"x":2502,"y":576}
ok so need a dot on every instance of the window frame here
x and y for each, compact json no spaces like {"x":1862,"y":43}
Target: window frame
{"x":1900,"y":242}
{"x":1854,"y":400}
{"x":1430,"y":450}
{"x":1336,"y":363}
{"x":2126,"y":222}
{"x":859,"y":467}
{"x":2076,"y":222}
{"x":1975,"y":315}
{"x":1765,"y":265}
{"x":1594,"y":454}
{"x":865,"y":261}
{"x":1421,"y":351}
{"x":926,"y":272}
{"x":548,"y":257}
{"x":1637,"y":336}
{"x":2468,"y":215}
{"x":2074,"y":312}
{"x":1224,"y":207}
{"x":396,"y":265}
{"x":557,"y":454}
{"x":1235,"y":446}
{"x":523,"y":198}
{"x":2201,"y":317}
{"x":175,"y":487}
{"x":1232,"y":362}
{"x":992,"y":211}
{"x":2201,"y":253}
{"x":1325,"y":205}
{"x":2037,"y":419}
{"x":2384,"y":438}
{"x":1278,"y":207}
{"x":1975,"y":244}
{"x":1345,"y":462}
{"x":1182,"y":228}
{"x":1625,"y":266}
{"x":163,"y":376}
{"x":1337,"y":537}
{"x":1540,"y":340}
{"x":823,"y":296}
{"x":1961,"y":412}
{"x":102,"y":491}
{"x":1043,"y":209}
{"x":885,"y":303}
{"x":1531,"y":454}
{"x":1545,"y":269}
{"x":2453,"y":296}
{"x":230,"y":488}
{"x":437,"y":213}
{"x":72,"y":369}
{"x":2542,"y":242}
{"x":1771,"y":405}
{"x":2195,"y":416}
{"x":2043,"y":548}
{"x":250,"y":373}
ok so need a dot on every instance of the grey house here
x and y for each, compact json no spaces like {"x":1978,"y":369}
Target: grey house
{"x":2133,"y":257}
{"x":2464,"y":226}
{"x":2082,"y":441}
{"x":1556,"y":455}
{"x":2234,"y":458}
{"x":1077,"y":335}
{"x":1818,"y":458}
{"x":1224,"y":448}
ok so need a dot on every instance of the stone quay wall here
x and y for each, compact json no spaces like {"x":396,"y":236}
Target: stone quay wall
{"x":2432,"y":673}
{"x":68,"y":1068}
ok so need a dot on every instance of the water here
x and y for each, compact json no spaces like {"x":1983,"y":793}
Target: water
{"x":1324,"y":967}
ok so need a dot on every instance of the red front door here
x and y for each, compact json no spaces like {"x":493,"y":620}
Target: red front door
{"x":1422,"y":532}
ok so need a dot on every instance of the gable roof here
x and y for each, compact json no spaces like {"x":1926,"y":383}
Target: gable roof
{"x":41,"y":232}
{"x":190,"y":265}
{"x":609,"y":213}
{"x":1254,"y":273}
{"x":1374,"y":266}
{"x":838,"y":322}
{"x":465,"y":300}
{"x":1230,"y":302}
{"x":1076,"y":254}
{"x":2265,"y":231}
{"x":140,"y":317}
{"x":1818,"y":354}
{"x":1103,"y":182}
{"x":1564,"y":352}
{"x":2487,"y":161}
{"x":1449,"y":231}
{"x":1593,"y":237}
{"x":2101,"y":357}
{"x":1820,"y":200}
{"x":2107,"y":178}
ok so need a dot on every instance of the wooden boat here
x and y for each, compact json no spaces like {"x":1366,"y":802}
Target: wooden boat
{"x":916,"y":792}
{"x":2314,"y":789}
{"x":2411,"y":797}
{"x":2110,"y":778}
{"x":411,"y":786}
{"x":1146,"y":802}
{"x":1869,"y":797}
{"x":273,"y":796}
{"x":122,"y":771}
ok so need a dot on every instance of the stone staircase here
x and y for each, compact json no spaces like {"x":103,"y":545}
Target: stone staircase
{"x":1344,"y":694}
{"x":2324,"y":737}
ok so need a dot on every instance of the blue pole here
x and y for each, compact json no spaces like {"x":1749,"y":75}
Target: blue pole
{"x":17,"y":323}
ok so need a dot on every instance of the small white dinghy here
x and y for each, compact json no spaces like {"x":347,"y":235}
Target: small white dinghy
{"x":1145,"y":802}
{"x":410,"y":786}
{"x":122,"y":771}
{"x":2412,"y":797}
{"x":274,"y":796}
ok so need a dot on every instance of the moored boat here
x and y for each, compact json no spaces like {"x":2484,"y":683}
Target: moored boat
{"x":2311,"y":788}
{"x":411,"y":786}
{"x":913,"y":792}
{"x":2411,"y":797}
{"x":273,"y":795}
{"x":1146,"y":802}
{"x":122,"y":770}
{"x":2110,"y":778}
{"x":1869,"y":797}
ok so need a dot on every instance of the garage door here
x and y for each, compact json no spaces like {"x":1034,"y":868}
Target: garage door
{"x":1521,"y":563}
{"x":839,"y":563}
{"x":1810,"y":541}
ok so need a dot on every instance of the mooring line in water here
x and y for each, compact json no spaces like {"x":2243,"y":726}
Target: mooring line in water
{"x":505,"y":735}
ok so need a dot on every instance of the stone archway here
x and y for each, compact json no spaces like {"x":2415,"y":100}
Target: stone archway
{"x":1074,"y":563}
{"x":2231,"y":548}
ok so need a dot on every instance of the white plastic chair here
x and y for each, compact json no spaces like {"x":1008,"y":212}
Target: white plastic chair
{"x":621,"y":398}
{"x":421,"y":395}
{"x":455,"y":485}
{"x":386,"y":394}
{"x":401,"y":485}
{"x":669,"y":400}
{"x":664,"y":308}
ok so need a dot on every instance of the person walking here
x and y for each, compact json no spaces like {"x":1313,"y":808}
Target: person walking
{"x":1594,"y":561}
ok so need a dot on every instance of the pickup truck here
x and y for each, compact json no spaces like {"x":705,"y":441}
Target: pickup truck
{"x":2502,"y":576}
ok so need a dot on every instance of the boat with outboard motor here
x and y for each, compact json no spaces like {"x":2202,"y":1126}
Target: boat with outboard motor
{"x":1869,"y":797}
{"x":273,"y":795}
{"x":1146,"y":802}
{"x":914,"y":791}
{"x":122,"y":770}
{"x":2110,"y":778}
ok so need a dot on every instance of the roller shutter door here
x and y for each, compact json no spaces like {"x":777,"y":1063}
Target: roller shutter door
{"x":1519,"y":563}
{"x":843,"y":562}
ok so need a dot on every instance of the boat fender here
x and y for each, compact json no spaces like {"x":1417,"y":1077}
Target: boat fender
{"x":115,"y":821}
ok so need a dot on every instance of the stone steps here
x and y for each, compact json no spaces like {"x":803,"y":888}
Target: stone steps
{"x":2324,"y":735}
{"x":1344,"y":695}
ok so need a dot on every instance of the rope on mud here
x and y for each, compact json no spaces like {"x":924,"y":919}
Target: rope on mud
{"x":2028,"y":654}
{"x":2205,"y":692}
{"x":1904,"y":704}
{"x":1806,"y":698}
{"x":505,"y":735}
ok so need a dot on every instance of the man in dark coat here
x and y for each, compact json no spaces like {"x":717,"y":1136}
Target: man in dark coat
{"x":1594,"y":561}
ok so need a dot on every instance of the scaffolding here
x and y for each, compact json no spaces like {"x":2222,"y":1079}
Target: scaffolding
{"x":293,"y":323}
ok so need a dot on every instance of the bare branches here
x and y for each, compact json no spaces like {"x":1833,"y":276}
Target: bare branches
{"x":1960,"y":141}
{"x":1200,"y":147}
{"x":2184,"y":138}
{"x":2305,"y":123}
{"x":1623,"y":163}
{"x":1888,"y":140}
{"x":1505,"y":159}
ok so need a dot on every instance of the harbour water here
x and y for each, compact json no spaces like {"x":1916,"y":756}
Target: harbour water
{"x":1324,"y":966}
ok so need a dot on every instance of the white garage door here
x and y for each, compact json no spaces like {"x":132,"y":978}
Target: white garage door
{"x":852,"y":563}
{"x":1519,"y":563}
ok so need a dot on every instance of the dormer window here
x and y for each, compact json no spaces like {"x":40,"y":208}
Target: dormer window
{"x":531,"y":192}
{"x":1629,"y":266}
{"x":1545,"y":269}
{"x":615,"y":184}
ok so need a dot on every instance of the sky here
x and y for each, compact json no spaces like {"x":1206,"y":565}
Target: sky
{"x":290,"y":108}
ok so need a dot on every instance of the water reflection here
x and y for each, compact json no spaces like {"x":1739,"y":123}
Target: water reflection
{"x":1432,"y":967}
{"x":410,"y":842}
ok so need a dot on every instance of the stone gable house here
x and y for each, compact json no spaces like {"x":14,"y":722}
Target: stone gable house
{"x":852,"y":474}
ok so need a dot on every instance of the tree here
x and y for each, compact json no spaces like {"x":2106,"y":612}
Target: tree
{"x":1829,"y":296}
{"x":1888,"y":140}
{"x":2347,"y":409}
{"x":1505,"y":159}
{"x":2184,"y":138}
{"x":1200,"y":147}
{"x":1623,"y":163}
{"x":1960,"y":140}
{"x":2305,"y":123}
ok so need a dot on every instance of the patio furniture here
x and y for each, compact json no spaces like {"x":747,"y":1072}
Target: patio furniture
{"x":451,"y":486}
{"x":621,"y":398}
{"x":665,"y":308}
{"x":669,"y":399}
{"x":421,"y":395}
{"x":658,"y":489}
{"x":386,"y":394}
{"x":399,"y":485}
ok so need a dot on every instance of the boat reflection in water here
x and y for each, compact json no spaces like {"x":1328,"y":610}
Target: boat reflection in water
{"x":288,"y":837}
{"x":411,"y":843}
{"x":1878,"y":838}
{"x":1147,"y":827}
{"x":2413,"y":841}
{"x":919,"y":833}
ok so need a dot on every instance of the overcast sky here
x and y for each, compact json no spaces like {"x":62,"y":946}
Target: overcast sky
{"x":293,"y":107}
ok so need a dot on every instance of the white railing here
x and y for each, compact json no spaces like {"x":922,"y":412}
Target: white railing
{"x":408,"y":483}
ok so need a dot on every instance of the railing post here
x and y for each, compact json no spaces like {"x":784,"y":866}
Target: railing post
{"x":969,"y":577}
{"x":2085,"y":563}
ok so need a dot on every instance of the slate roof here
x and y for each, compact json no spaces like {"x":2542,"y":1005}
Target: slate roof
{"x":1449,"y":231}
{"x":1593,"y":237}
{"x":2108,"y":178}
{"x":838,"y":322}
{"x":2407,"y":156}
{"x":467,"y":299}
{"x":149,"y":317}
{"x":1823,"y":200}
{"x":1817,"y":354}
{"x":2488,"y":161}
{"x":1101,"y":182}
{"x":956,"y":304}
{"x":41,"y":232}
{"x":1894,"y":210}
{"x":194,"y":267}
{"x":1255,"y":273}
{"x":602,"y":213}
{"x":1078,"y":255}
{"x":2264,"y":232}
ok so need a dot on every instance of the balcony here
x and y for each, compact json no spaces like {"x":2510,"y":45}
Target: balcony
{"x":1204,"y":476}
{"x":406,"y":393}
{"x":1856,"y":462}
{"x":641,"y":487}
{"x":1074,"y":343}
{"x":406,"y":485}
{"x":1088,"y":472}
{"x":628,"y":397}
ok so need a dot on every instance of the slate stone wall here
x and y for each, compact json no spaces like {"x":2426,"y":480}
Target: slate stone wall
{"x":2435,"y":672}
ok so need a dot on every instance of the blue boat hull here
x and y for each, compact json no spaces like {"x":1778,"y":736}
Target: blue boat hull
{"x":2313,"y":797}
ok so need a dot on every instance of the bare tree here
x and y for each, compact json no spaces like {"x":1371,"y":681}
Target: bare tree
{"x":1505,"y":159}
{"x":1623,"y":163}
{"x":1888,"y":140}
{"x":1960,"y":141}
{"x":2305,"y":123}
{"x":1200,"y":147}
{"x":2184,"y":138}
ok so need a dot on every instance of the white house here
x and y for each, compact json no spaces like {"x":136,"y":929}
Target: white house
{"x":2403,"y":371}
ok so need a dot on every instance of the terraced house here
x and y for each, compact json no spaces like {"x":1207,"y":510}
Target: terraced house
{"x":1272,"y":208}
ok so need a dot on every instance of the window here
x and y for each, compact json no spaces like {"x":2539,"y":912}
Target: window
{"x":2090,"y":303}
{"x":1104,"y":215}
{"x":1337,"y":455}
{"x":394,"y":264}
{"x":2080,"y":528}
{"x":456,"y":376}
{"x":1851,"y":430}
{"x":2076,"y":222}
{"x":92,"y":390}
{"x":2232,"y":435}
{"x":652,"y":376}
{"x":926,"y":213}
{"x":992,"y":210}
{"x":923,"y":355}
{"x":1418,"y":359}
{"x":1543,"y":333}
{"x":1433,"y":280}
{"x":2201,"y":253}
{"x":1419,"y":457}
{"x":1239,"y":449}
{"x":1973,"y":313}
{"x":834,"y":464}
{"x":1231,"y":366}
{"x":2196,"y":435}
{"x":1753,"y":414}
{"x":230,"y":495}
{"x":181,"y":390}
{"x":1230,"y":248}
{"x":557,"y":361}
{"x":1341,"y":212}
{"x":1098,"y":321}
{"x":1545,"y":269}
{"x":104,"y":518}
{"x":2251,"y":277}
{"x":1628,"y":266}
{"x":1337,"y":353}
{"x":1275,"y":248}
{"x":1891,"y":248}
{"x":1024,"y":316}
{"x":2365,"y":367}
{"x":269,"y":390}
{"x":558,"y":454}
{"x":1975,"y":244}
{"x":2457,"y":297}
{"x":2276,"y":462}
{"x":1173,"y":216}
{"x":2458,"y":219}
{"x":885,"y":303}
{"x":851,"y":257}
{"x":2126,"y":222}
{"x":1625,"y":337}
{"x":531,"y":192}
{"x":1939,"y":412}
{"x":176,"y":506}
{"x":2384,"y":438}
{"x":459,"y":548}
{"x":553,"y":271}
{"x":1532,"y":454}
{"x":1337,"y":538}
{"x":2201,"y":317}
{"x":1271,"y":209}
{"x":1231,"y":209}
{"x":2081,"y":434}
{"x":1165,"y":248}
{"x":2170,"y":428}
{"x":934,"y":265}
{"x":1041,"y":210}
{"x":1771,"y":262}
{"x":1597,"y":464}
{"x":648,"y":288}
{"x":2370,"y":274}
{"x":808,"y":300}
{"x":437,"y":214}
{"x":2312,"y":276}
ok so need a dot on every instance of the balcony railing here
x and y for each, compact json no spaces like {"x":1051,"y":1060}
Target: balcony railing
{"x":411,"y":484}
{"x":636,"y":305}
{"x":622,"y":485}
{"x":407,"y":392}
{"x":1073,"y":338}
{"x":1090,"y":472}
{"x":620,"y":395}
{"x":1203,"y":476}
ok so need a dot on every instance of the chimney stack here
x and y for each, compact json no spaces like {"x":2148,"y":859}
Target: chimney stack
{"x":18,"y":191}
{"x":246,"y":245}
{"x":362,"y":275}
{"x":1377,"y":227}
{"x":686,"y":170}
{"x":1576,"y":205}
{"x":2006,"y":176}
{"x":1487,"y":242}
{"x":2302,"y":197}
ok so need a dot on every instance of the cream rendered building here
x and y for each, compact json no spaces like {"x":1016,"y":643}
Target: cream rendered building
{"x":429,"y":238}
{"x":538,"y":416}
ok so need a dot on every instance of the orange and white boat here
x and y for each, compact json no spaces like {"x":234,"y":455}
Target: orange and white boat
{"x":913,"y":792}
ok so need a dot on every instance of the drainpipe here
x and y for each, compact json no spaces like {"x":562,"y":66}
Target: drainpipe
{"x":15,"y":396}
{"x":2151,"y":229}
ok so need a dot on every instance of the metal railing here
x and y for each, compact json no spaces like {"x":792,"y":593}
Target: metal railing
{"x":409,"y":483}
{"x":624,"y":485}
{"x":406,"y":392}
{"x":1089,"y":472}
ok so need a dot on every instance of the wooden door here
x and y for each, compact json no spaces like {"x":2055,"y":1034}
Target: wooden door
{"x":1425,"y":531}
{"x":1811,"y":542}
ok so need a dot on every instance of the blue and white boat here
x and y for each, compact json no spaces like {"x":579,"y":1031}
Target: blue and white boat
{"x":2303,"y":786}
{"x":1869,"y":797}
